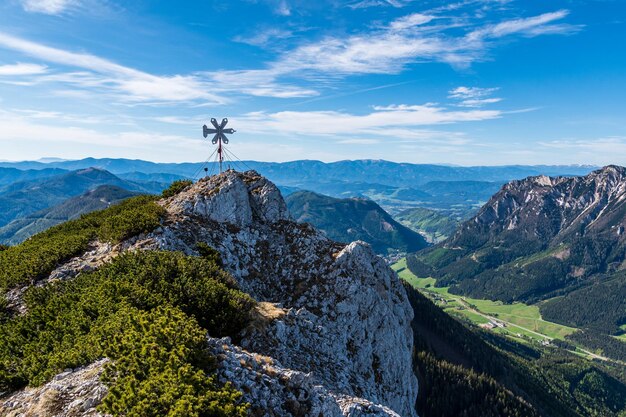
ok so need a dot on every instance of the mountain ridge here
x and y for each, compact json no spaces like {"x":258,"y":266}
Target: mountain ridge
{"x":332,"y":330}
{"x":540,"y":238}
{"x":97,"y":199}
{"x":19,"y":199}
{"x":351,"y":219}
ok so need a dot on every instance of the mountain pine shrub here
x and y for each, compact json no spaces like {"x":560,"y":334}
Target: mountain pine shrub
{"x":176,"y":187}
{"x":150,"y":312}
{"x":36,"y":257}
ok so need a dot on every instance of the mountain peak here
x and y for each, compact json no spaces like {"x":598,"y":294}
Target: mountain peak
{"x":238,"y":198}
{"x":567,"y":218}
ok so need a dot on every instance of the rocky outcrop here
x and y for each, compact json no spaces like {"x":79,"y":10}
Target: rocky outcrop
{"x":333,"y":333}
{"x":268,"y":385}
{"x":347,"y":320}
{"x":71,"y":393}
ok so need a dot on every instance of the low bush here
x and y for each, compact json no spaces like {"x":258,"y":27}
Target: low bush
{"x":148,"y":311}
{"x":176,"y":187}
{"x":38,"y":256}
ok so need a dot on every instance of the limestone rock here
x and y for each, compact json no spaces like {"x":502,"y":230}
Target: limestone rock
{"x":72,"y":393}
{"x":347,"y":320}
{"x":333,"y":336}
{"x":267,"y":385}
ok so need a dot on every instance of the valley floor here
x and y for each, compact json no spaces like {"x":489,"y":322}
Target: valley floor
{"x":518,"y":321}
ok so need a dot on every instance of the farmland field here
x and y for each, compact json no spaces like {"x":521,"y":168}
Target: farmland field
{"x":519,"y":319}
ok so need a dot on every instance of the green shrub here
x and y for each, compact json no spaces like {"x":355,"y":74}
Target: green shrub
{"x":176,"y":187}
{"x":209,"y":253}
{"x":148,"y":311}
{"x":170,"y":349}
{"x":38,"y":256}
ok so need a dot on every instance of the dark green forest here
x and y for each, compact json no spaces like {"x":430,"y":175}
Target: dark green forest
{"x":484,"y":371}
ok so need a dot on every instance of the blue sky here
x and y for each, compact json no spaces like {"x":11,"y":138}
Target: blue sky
{"x":474,"y":82}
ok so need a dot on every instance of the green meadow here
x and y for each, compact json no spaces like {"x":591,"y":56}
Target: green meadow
{"x":521,"y":320}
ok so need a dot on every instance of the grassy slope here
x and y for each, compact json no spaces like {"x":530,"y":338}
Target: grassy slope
{"x":524,"y":319}
{"x":430,"y":223}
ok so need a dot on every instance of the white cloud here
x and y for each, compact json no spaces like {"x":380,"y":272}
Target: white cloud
{"x":603,"y":146}
{"x":22,"y":69}
{"x":474,"y":96}
{"x":387,"y":121}
{"x":357,"y":141}
{"x":128,"y":84}
{"x":404,"y":41}
{"x":470,"y":92}
{"x":364,"y":4}
{"x":479,"y":102}
{"x":386,"y":49}
{"x":283,"y":8}
{"x":264,"y":37}
{"x":410,"y":21}
{"x":53,"y":7}
{"x":529,"y":26}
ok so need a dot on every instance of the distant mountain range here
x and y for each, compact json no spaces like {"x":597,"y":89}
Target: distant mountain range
{"x":11,"y":175}
{"x":291,"y":173}
{"x":349,"y":219}
{"x":22,"y":198}
{"x":559,"y":239}
{"x":394,"y":186}
{"x":102,"y":197}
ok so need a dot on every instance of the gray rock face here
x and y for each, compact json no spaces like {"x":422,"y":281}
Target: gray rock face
{"x":547,"y":208}
{"x":235,"y":199}
{"x":347,"y":318}
{"x":72,"y":393}
{"x":270,"y":386}
{"x":333,"y":337}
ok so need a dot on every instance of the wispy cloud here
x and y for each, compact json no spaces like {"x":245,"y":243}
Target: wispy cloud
{"x":410,"y":21}
{"x":301,"y":71}
{"x":127,"y":84}
{"x":52,"y":7}
{"x":529,"y":26}
{"x":364,"y":4}
{"x":384,"y":121}
{"x":412,"y":39}
{"x":22,"y":69}
{"x":264,"y":36}
{"x":602,"y":146}
{"x":16,"y":127}
{"x":474,"y":96}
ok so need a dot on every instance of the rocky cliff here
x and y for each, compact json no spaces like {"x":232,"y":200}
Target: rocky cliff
{"x":333,"y":333}
{"x":549,"y":209}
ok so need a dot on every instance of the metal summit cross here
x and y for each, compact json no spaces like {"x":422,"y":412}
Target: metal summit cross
{"x":220,"y":138}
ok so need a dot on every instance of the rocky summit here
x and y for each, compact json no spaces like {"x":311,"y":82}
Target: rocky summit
{"x":332,"y":336}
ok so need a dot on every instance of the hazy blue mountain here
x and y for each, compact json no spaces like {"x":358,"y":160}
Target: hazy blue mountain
{"x":158,"y":177}
{"x":23,"y":198}
{"x":394,"y":186}
{"x":11,"y":175}
{"x":350,"y":219}
{"x":102,"y":197}
{"x":298,"y":172}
